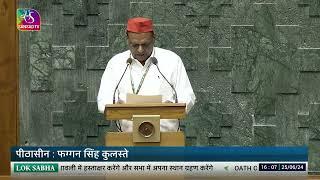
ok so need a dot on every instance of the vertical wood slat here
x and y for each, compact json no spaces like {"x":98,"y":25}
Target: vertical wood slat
{"x":8,"y":83}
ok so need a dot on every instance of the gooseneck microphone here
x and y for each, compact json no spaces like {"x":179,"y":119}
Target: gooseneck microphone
{"x":129,"y":61}
{"x":155,"y":62}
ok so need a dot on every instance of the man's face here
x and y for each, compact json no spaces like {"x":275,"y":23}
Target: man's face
{"x":141,"y":45}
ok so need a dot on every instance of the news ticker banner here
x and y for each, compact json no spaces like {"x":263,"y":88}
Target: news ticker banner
{"x":187,"y":161}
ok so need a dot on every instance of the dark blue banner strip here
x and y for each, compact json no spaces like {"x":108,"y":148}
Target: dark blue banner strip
{"x":27,"y":153}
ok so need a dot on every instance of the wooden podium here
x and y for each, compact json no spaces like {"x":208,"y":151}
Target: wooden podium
{"x":141,"y":113}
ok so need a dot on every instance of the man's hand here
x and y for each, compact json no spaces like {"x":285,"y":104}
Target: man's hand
{"x":120,"y":101}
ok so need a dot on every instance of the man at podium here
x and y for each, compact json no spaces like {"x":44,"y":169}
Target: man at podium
{"x":145,"y":70}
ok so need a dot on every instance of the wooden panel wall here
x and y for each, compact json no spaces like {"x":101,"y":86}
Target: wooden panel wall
{"x":8,"y":82}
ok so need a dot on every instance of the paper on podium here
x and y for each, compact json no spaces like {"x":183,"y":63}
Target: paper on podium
{"x":133,"y":98}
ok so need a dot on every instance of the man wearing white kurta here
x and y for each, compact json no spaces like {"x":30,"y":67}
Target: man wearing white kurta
{"x":142,"y":76}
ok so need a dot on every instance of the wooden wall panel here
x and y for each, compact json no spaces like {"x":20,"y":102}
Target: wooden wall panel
{"x":8,"y":82}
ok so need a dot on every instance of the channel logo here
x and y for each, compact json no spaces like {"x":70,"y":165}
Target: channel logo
{"x":28,"y":20}
{"x":36,"y":167}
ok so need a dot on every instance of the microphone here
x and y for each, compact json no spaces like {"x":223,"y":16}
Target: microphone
{"x":155,"y":62}
{"x":129,"y":61}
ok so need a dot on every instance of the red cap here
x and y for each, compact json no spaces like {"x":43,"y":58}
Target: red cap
{"x":139,"y":25}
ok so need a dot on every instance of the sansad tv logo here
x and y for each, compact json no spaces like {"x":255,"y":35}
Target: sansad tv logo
{"x":28,"y":20}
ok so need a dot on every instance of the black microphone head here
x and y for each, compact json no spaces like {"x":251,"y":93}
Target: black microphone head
{"x":154,"y":60}
{"x":129,"y":61}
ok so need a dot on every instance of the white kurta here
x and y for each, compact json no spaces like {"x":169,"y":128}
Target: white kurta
{"x":170,"y":64}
